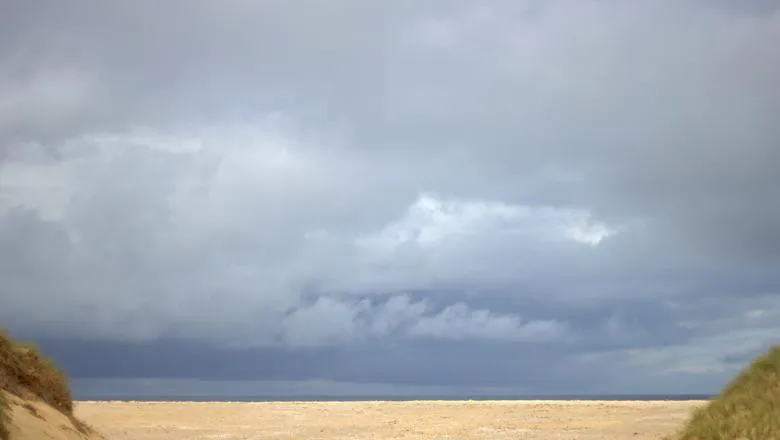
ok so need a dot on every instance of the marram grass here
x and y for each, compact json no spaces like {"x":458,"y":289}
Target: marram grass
{"x":748,"y":408}
{"x":30,"y":375}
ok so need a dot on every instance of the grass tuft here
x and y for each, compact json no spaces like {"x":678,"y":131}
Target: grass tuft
{"x":30,"y":375}
{"x":748,"y":407}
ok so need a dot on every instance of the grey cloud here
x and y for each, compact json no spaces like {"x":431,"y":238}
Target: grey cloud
{"x":579,"y":177}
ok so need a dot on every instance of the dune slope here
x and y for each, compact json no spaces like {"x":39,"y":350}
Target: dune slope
{"x":747,"y":408}
{"x":35,"y":401}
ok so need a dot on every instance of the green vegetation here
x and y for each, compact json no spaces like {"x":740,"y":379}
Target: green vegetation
{"x":29,"y":375}
{"x":747,"y":408}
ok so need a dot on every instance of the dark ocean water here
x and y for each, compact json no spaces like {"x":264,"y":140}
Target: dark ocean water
{"x":396,"y":398}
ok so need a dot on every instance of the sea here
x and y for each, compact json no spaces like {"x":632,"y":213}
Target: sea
{"x":390,"y":398}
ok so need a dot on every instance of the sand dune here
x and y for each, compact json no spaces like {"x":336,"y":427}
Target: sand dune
{"x":35,"y":400}
{"x":385,"y":420}
{"x":35,"y":420}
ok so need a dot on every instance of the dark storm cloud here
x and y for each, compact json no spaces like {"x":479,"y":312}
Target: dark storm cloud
{"x":399,"y":188}
{"x":490,"y":365}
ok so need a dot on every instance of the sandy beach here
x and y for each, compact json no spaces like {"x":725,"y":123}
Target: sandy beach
{"x":460,"y":420}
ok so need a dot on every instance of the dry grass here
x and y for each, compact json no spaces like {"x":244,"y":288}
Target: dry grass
{"x":747,"y":408}
{"x":29,"y":375}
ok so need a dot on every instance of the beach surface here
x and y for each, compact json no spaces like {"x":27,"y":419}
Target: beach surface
{"x":429,"y":420}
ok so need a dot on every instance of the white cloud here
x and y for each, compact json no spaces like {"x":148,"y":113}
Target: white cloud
{"x":331,"y":321}
{"x":431,"y":222}
{"x":458,"y":321}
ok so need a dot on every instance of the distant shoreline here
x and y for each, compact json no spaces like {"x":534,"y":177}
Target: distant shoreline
{"x":315,"y":399}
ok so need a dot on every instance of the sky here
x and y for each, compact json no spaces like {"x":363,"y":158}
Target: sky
{"x":562,"y":196}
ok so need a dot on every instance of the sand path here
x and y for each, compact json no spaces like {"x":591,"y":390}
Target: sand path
{"x":430,"y":420}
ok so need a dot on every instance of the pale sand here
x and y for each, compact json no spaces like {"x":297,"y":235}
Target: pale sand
{"x":35,"y":420}
{"x":462,"y":420}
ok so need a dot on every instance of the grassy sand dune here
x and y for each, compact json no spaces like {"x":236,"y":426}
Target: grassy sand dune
{"x":747,"y":408}
{"x":35,"y":400}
